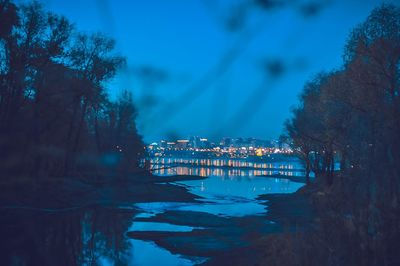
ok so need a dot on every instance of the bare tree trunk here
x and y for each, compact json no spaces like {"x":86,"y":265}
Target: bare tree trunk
{"x":78,"y":133}
{"x":69,"y":138}
{"x":308,"y":171}
{"x":97,"y":133}
{"x":343,"y":160}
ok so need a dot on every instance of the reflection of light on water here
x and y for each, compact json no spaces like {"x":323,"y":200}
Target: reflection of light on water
{"x":202,"y":171}
{"x":223,"y":162}
{"x":223,"y":167}
{"x":231,"y":182}
{"x":202,"y":187}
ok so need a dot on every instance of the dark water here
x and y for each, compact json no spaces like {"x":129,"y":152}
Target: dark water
{"x":97,"y":235}
{"x":64,"y":238}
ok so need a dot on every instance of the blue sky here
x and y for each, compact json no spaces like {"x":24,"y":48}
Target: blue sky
{"x":275,"y":52}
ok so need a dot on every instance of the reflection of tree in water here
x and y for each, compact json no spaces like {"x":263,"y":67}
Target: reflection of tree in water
{"x":40,"y":239}
{"x":105,"y":230}
{"x":73,"y":238}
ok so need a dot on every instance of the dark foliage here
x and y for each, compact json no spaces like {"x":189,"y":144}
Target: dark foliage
{"x":55,"y":117}
{"x":352,"y":116}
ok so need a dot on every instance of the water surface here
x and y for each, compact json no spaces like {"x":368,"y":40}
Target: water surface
{"x":226,"y":193}
{"x":99,"y":234}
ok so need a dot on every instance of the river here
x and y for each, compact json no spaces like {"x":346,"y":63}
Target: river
{"x":108,"y":235}
{"x":228,"y":192}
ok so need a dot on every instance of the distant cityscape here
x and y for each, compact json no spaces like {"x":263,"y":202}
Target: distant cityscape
{"x":227,"y":147}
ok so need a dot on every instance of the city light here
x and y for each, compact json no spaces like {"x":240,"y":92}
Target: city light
{"x":227,"y":147}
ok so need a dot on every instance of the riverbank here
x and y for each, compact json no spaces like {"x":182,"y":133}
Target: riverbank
{"x":73,"y":193}
{"x":291,"y":215}
{"x":294,"y":178}
{"x":214,"y":236}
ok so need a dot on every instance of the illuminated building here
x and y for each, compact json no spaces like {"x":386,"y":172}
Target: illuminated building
{"x":182,"y":144}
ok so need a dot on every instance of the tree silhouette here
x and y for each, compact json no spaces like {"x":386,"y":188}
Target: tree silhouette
{"x":53,"y":99}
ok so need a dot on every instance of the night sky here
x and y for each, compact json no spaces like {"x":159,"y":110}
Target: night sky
{"x":217,"y":68}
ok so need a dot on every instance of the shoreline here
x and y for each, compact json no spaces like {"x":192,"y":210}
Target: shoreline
{"x":221,"y":238}
{"x":63,"y":193}
{"x":291,"y":213}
